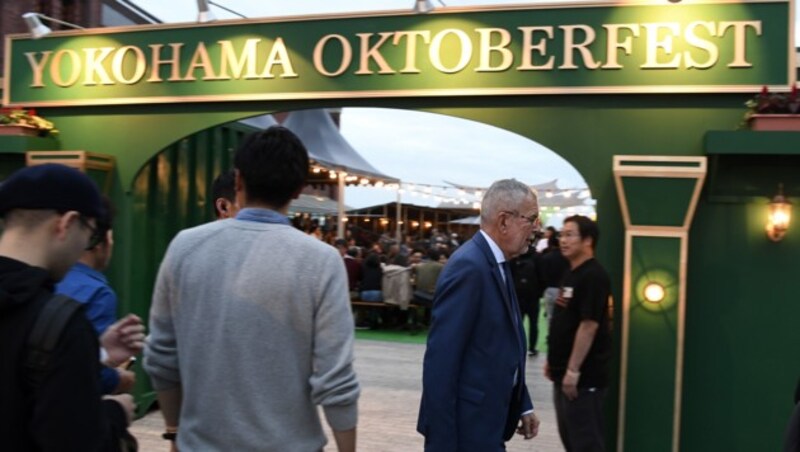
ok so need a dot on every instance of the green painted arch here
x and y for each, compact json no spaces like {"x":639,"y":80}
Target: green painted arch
{"x":584,"y":130}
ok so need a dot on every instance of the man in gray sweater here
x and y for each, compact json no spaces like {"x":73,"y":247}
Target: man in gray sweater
{"x":250,"y":326}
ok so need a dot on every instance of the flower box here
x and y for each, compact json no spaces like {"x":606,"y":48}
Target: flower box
{"x":18,"y":130}
{"x":775,"y":122}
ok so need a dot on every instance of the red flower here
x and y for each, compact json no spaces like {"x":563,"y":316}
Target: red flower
{"x":32,"y":112}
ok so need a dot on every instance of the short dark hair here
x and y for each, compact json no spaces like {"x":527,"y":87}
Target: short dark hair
{"x":223,"y":187}
{"x":586,"y":228}
{"x":105,"y":221}
{"x":273,"y":165}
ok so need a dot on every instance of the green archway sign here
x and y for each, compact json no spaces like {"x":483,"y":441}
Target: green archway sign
{"x":720,"y":47}
{"x":661,"y":77}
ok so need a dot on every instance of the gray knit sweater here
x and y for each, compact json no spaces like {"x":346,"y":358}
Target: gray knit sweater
{"x":253,"y":321}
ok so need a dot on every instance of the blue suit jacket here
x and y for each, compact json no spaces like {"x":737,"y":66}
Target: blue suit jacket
{"x":469,"y":399}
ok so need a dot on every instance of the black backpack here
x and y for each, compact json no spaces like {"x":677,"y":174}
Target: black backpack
{"x":46,"y":332}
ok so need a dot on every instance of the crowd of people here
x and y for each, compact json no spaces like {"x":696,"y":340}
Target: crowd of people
{"x":253,"y":303}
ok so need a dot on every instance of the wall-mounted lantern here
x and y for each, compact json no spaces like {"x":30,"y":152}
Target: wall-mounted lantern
{"x":780,"y":214}
{"x":654,"y":292}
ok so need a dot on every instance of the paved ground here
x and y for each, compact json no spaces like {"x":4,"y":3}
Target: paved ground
{"x":390,"y":375}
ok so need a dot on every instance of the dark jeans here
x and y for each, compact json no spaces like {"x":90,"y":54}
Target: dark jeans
{"x":580,"y":421}
{"x":531,"y":308}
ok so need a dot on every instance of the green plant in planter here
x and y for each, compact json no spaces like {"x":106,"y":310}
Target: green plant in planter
{"x":27,"y":118}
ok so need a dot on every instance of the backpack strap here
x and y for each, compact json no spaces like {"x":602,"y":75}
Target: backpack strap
{"x":46,"y":332}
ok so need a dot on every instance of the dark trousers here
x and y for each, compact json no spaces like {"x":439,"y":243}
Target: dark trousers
{"x":580,"y":421}
{"x":531,"y":309}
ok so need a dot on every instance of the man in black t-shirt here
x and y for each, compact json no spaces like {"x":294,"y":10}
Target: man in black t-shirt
{"x":579,"y":343}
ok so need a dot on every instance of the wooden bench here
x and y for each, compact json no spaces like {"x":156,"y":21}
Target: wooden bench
{"x":357,"y":304}
{"x":375,"y":304}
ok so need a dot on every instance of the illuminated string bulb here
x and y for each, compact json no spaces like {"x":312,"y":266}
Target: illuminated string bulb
{"x":316,"y":170}
{"x":567,"y":194}
{"x":332,"y":174}
{"x":364,"y":181}
{"x":379,"y":184}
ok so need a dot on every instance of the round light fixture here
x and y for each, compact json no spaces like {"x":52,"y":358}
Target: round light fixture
{"x":654,"y":292}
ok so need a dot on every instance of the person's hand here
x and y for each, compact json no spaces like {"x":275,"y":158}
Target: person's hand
{"x":547,"y":371}
{"x":123,"y":339}
{"x":126,"y":381}
{"x":569,"y":384}
{"x":126,"y":401}
{"x":529,"y":426}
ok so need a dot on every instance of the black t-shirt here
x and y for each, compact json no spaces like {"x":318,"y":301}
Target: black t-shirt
{"x":585,"y":294}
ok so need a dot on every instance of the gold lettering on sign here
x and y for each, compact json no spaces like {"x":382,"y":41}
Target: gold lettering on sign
{"x":319,"y":51}
{"x":174,"y":62}
{"x":740,"y":40}
{"x":540,"y":47}
{"x":570,"y":46}
{"x":411,"y":48}
{"x":487,"y":48}
{"x":117,"y":65}
{"x":696,"y":41}
{"x":94,"y":66}
{"x":613,"y":43}
{"x":55,"y":68}
{"x":279,"y":56}
{"x":200,"y":60}
{"x":435,"y":50}
{"x":655,"y":42}
{"x":373,"y":53}
{"x":237,"y":64}
{"x":37,"y":67}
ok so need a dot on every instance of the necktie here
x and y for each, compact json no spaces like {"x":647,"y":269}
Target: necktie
{"x":512,"y":295}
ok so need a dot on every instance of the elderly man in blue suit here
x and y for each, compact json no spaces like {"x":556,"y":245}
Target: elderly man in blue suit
{"x":474,"y":395}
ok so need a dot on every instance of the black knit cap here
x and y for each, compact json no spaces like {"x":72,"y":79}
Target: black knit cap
{"x":53,"y":187}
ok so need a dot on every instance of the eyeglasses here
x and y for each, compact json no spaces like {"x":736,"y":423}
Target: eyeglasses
{"x":532,"y":219}
{"x":96,"y":237}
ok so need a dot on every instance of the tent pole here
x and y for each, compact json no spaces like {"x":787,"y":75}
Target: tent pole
{"x":340,"y":206}
{"x":397,"y":216}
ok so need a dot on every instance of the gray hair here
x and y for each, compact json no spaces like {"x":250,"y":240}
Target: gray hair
{"x":505,"y":194}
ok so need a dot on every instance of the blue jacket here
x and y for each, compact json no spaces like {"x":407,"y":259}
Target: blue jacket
{"x":90,"y":287}
{"x":469,"y":399}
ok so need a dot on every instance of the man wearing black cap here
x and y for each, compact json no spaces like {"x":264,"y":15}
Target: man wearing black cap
{"x":49,"y":214}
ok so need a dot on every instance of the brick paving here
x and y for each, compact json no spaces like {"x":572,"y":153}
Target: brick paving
{"x":390,"y":375}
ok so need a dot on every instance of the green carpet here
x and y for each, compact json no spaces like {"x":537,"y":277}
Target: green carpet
{"x":421,"y":337}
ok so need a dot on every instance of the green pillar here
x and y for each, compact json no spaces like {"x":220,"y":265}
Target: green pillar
{"x":658,"y":196}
